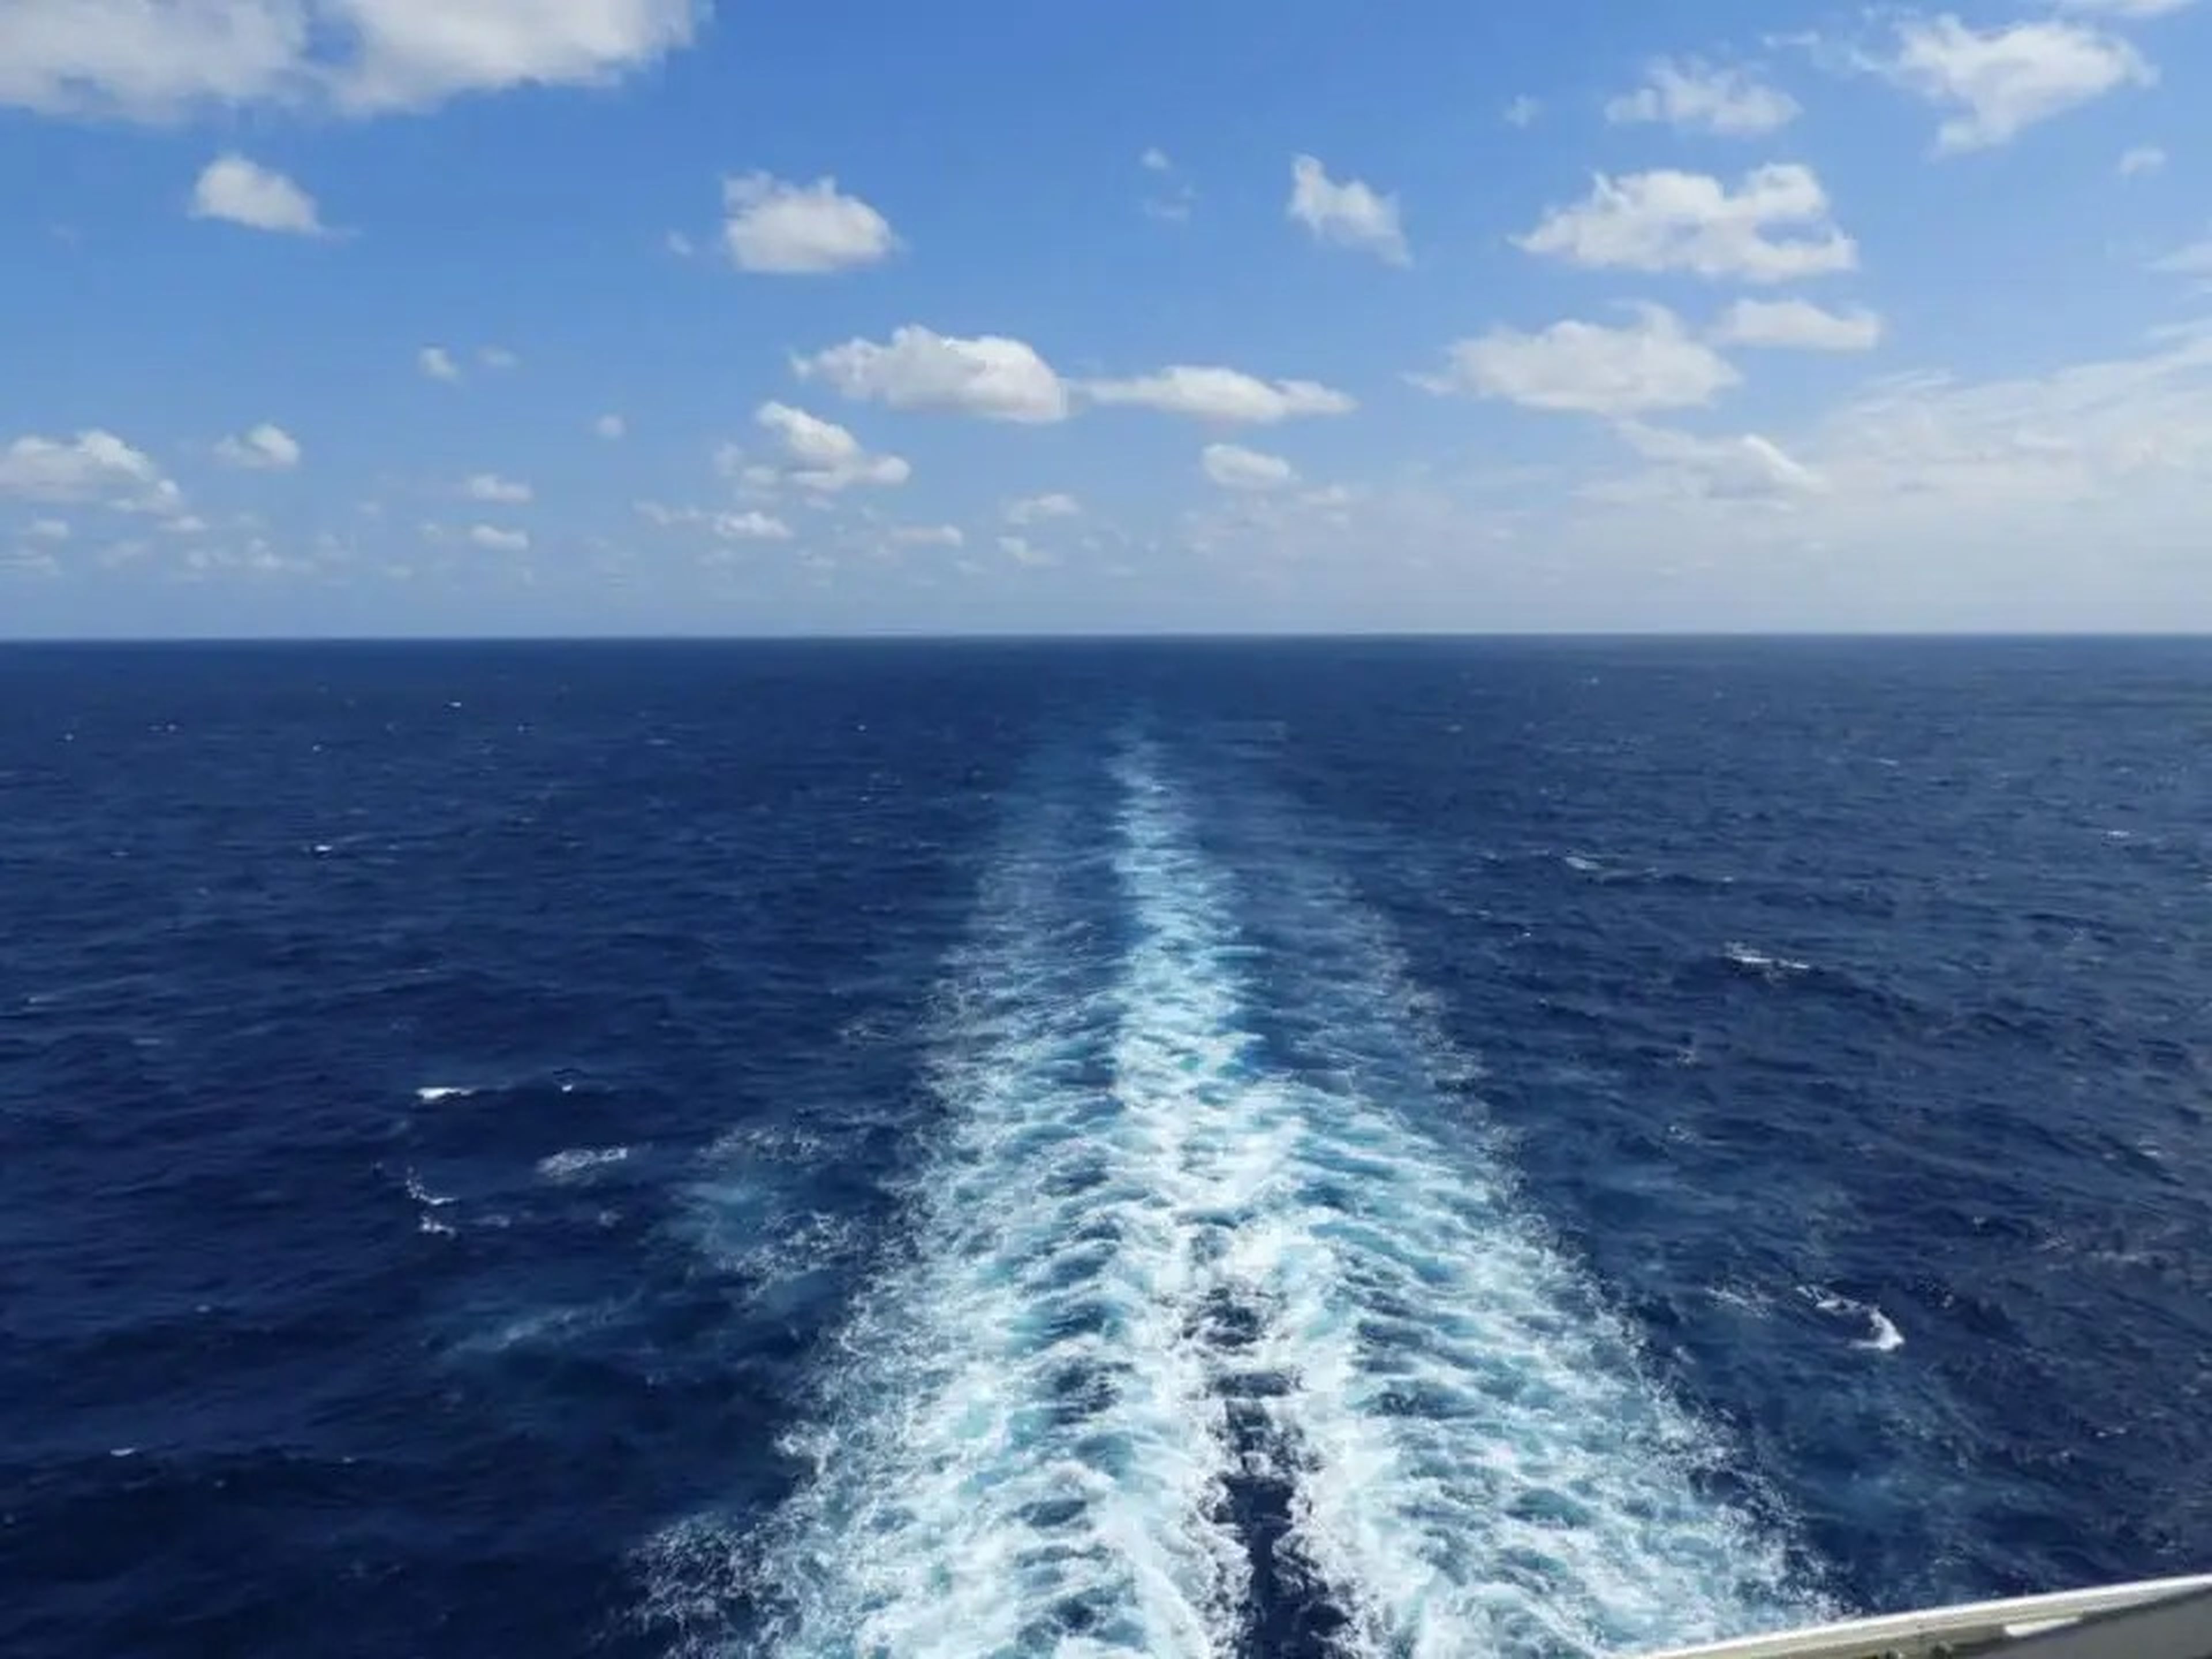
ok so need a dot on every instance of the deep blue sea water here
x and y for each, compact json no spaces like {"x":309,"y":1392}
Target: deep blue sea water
{"x":1382,"y":1148}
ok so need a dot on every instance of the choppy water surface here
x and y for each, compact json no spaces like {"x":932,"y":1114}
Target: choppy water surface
{"x":1248,"y":1150}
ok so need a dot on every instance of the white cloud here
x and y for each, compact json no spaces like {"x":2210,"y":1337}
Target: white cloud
{"x":1175,"y":207}
{"x":1227,"y":395}
{"x":1021,"y":550}
{"x":2003,"y":81}
{"x":2120,"y":447}
{"x":413,"y":53}
{"x":2194,"y":260}
{"x":490,"y":487}
{"x":1650,"y":363}
{"x":824,"y":456}
{"x":990,"y":376}
{"x":1035,"y":510}
{"x":1523,"y":111}
{"x":29,"y":562}
{"x":93,"y":467}
{"x":1347,"y":214}
{"x":2128,"y":8}
{"x":1670,"y":221}
{"x":1235,"y":467}
{"x":232,"y":188}
{"x":751,"y":526}
{"x":786,"y":229}
{"x":266,"y":448}
{"x":158,"y":60}
{"x":1797,"y":325}
{"x":498,"y":540}
{"x":2144,"y":158}
{"x":437,"y":363}
{"x":1746,"y":467}
{"x":47,"y":530}
{"x":1701,"y":97}
{"x":929,"y":535}
{"x":610,"y":427}
{"x":497,"y":357}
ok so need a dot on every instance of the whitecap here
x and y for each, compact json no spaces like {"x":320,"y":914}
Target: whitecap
{"x":1880,"y":1332}
{"x":579,"y":1161}
{"x":1744,"y":957}
{"x":431,"y":1093}
{"x":423,"y":1195}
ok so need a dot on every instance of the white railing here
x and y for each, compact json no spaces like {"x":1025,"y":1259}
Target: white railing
{"x":1961,"y":1627}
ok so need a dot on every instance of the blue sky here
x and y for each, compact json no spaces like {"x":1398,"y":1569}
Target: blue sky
{"x":638,"y":316}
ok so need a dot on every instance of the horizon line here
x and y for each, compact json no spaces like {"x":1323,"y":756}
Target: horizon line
{"x":1195,"y":636}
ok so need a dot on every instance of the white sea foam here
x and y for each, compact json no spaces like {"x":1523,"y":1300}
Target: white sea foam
{"x":423,"y":1195}
{"x":1027,"y":1446}
{"x":1479,"y":1463}
{"x":431,"y":1094}
{"x":1744,"y":957}
{"x":577,"y":1161}
{"x":1880,"y":1332}
{"x":1024,"y":1452}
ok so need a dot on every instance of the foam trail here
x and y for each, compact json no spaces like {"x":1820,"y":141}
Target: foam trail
{"x":1022,"y":1454}
{"x":1479,"y":1464}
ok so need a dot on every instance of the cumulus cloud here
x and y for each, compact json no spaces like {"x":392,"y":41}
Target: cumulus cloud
{"x":1798,"y":324}
{"x":1692,"y":222}
{"x":498,"y":540}
{"x":788,"y":229}
{"x":437,"y":363}
{"x":1650,"y":362}
{"x":243,"y":193}
{"x":2144,"y":158}
{"x":1698,"y":97}
{"x":265,"y":448}
{"x":1225,"y":395}
{"x":1235,"y":467}
{"x":1035,"y":510}
{"x":1346,"y":214}
{"x":610,"y":427}
{"x":2002,"y":81}
{"x":1523,"y":111}
{"x":990,"y":376}
{"x":490,"y":487}
{"x":160,"y":62}
{"x":820,"y":455}
{"x":95,"y":466}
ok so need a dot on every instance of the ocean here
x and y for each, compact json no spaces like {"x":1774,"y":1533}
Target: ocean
{"x":1459,"y":1148}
